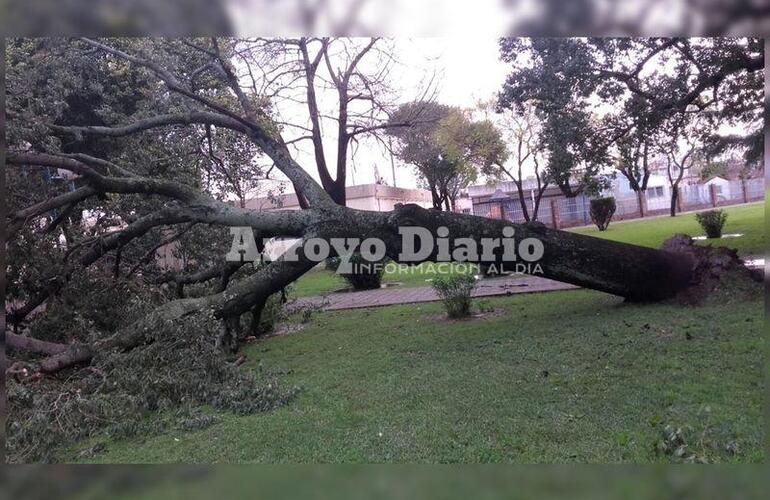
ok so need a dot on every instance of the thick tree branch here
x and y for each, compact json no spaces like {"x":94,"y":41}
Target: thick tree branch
{"x":18,"y":219}
{"x":191,"y":118}
{"x":270,"y":142}
{"x":197,"y":207}
{"x":24,"y":343}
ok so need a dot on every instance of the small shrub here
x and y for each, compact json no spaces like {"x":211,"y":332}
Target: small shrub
{"x":366,"y":275}
{"x":602,"y":210}
{"x":712,"y":222}
{"x":455,"y":292}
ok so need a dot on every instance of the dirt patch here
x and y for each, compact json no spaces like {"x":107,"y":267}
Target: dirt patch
{"x":718,"y":274}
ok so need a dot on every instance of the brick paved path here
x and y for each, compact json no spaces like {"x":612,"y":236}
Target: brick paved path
{"x":390,"y":296}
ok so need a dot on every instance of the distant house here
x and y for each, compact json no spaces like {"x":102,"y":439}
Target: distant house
{"x":501,"y":200}
{"x":722,"y":187}
{"x":658,"y":193}
{"x":463,"y":203}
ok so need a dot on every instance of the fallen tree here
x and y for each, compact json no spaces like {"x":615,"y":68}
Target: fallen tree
{"x":633,"y":272}
{"x":75,"y":378}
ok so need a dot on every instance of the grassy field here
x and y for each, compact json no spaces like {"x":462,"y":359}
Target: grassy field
{"x":746,"y":219}
{"x":573,"y":376}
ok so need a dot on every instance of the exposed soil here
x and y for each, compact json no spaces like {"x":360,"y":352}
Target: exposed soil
{"x":718,"y":274}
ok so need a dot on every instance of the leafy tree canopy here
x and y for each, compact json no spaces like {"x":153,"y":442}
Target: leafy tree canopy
{"x":447,"y":147}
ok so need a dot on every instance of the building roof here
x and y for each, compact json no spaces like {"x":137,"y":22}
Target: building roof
{"x":712,"y":178}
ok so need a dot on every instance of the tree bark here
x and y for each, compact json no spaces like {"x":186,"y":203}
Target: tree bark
{"x":674,"y":198}
{"x":34,"y":345}
{"x":630,"y":271}
{"x":522,"y":200}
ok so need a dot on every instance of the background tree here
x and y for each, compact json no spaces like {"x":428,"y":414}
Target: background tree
{"x":521,"y":130}
{"x":720,"y":78}
{"x":682,"y":146}
{"x":341,"y":87}
{"x":447,"y":148}
{"x":553,"y":81}
{"x":635,"y":148}
{"x":649,"y":80}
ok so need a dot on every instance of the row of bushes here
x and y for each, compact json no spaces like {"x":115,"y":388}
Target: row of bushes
{"x":602,"y":210}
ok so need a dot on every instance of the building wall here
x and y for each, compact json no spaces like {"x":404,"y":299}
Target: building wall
{"x":658,"y":193}
{"x":373,"y":197}
{"x":723,"y":187}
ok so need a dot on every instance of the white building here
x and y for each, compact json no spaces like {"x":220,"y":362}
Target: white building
{"x":658,"y":192}
{"x":374,"y":197}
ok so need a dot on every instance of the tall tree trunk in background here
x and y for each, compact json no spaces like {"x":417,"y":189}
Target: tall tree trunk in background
{"x":674,"y":197}
{"x":641,"y":200}
{"x":435,"y":198}
{"x":538,"y":198}
{"x":337,"y":193}
{"x":522,"y":199}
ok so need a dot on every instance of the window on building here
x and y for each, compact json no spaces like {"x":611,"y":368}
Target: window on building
{"x":655,"y":192}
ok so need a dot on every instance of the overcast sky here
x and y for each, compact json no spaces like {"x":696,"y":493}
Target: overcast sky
{"x":467,"y":71}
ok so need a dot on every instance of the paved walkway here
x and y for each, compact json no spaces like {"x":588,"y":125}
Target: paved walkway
{"x":391,"y":296}
{"x":489,"y":287}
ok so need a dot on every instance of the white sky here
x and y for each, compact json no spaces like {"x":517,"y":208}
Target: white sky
{"x":468,"y":71}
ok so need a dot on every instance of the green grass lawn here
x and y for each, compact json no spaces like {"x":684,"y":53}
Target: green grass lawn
{"x":319,"y":281}
{"x":746,"y":219}
{"x":574,"y":376}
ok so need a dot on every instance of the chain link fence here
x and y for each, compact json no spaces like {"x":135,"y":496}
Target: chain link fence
{"x":561,"y":212}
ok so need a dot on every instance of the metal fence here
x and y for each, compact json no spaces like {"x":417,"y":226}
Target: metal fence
{"x":567,"y":212}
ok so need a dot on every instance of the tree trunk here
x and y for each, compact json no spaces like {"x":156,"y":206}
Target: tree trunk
{"x":436,"y":198}
{"x":337,"y":193}
{"x":536,"y":205}
{"x":31,"y":344}
{"x":674,"y":197}
{"x":522,"y":200}
{"x":634,"y":272}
